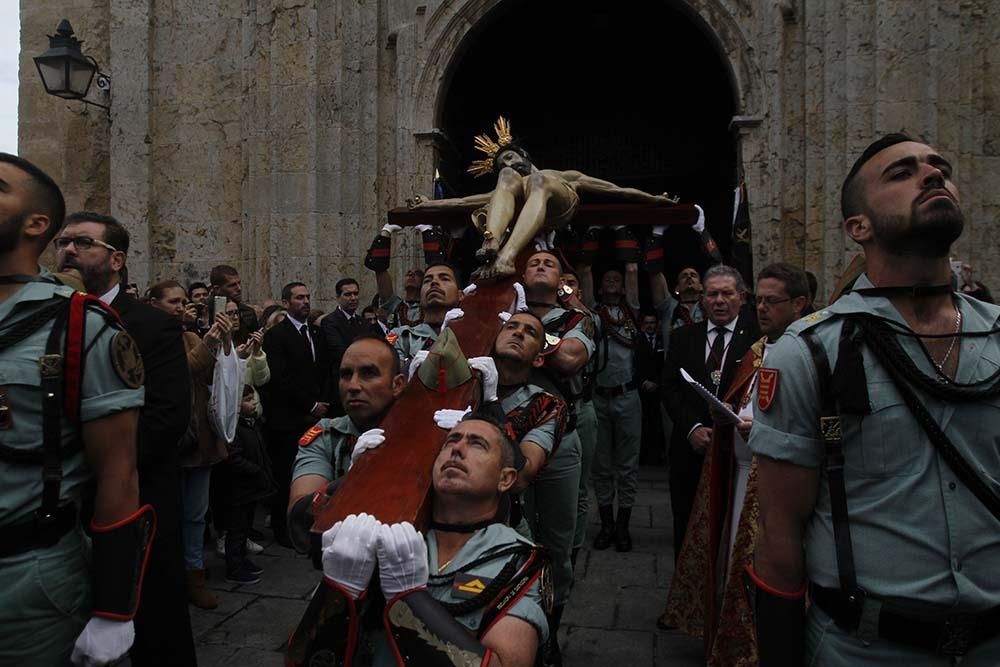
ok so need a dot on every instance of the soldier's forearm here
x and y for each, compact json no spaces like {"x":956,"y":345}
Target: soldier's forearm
{"x":569,"y":358}
{"x":778,"y":560}
{"x":110,"y":446}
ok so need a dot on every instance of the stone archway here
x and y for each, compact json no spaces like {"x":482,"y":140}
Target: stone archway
{"x":628,"y":54}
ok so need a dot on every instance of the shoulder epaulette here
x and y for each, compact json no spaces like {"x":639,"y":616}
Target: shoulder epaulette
{"x":811,"y":320}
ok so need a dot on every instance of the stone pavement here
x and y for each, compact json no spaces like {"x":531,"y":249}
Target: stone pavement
{"x":609,"y":621}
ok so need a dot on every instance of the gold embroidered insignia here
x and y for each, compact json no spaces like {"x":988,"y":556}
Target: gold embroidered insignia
{"x":127,"y":361}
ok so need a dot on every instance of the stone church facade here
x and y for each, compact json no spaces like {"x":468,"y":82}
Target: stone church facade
{"x":274,"y":135}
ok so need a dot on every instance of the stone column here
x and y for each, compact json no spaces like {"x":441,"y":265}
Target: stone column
{"x":131,"y":195}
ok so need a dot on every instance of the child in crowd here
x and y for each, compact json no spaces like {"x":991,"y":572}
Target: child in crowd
{"x":243,"y":480}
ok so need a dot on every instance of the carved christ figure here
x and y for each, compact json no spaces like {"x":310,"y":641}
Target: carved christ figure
{"x":532,"y":199}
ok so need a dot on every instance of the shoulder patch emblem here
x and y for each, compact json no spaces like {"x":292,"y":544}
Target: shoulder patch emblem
{"x":127,"y":361}
{"x":467,"y":586}
{"x":310,"y":435}
{"x":767,"y":387}
{"x":391,"y":338}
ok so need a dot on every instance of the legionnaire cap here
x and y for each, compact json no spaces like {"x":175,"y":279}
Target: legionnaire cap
{"x":446,"y":366}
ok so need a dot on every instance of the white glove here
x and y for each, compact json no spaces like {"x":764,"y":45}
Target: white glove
{"x":390,"y":228}
{"x":544,"y":241}
{"x":402,"y":559}
{"x":503,"y":316}
{"x":102,"y":642}
{"x":700,"y":225}
{"x":423,"y":228}
{"x":415,"y":362}
{"x":453,"y":314}
{"x":659,"y":230}
{"x":520,"y":302}
{"x":491,"y":377}
{"x":370,"y":439}
{"x":448,"y":419}
{"x":349,"y":552}
{"x":470,"y":289}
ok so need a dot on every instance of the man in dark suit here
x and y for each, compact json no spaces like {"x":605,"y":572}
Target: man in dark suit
{"x":649,"y":361}
{"x":709,"y":351}
{"x":341,"y":327}
{"x":162,"y":624}
{"x":298,"y":394}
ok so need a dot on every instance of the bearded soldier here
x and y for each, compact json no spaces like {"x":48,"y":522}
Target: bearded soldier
{"x":876,"y":433}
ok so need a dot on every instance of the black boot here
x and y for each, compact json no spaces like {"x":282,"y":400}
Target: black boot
{"x":623,"y":541}
{"x":553,"y":656}
{"x":607,"y":534}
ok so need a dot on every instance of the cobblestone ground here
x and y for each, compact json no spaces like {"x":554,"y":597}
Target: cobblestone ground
{"x":609,"y":621}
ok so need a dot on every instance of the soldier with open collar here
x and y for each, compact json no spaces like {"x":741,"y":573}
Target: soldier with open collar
{"x":70,"y":389}
{"x":469,"y":592}
{"x":440,"y":297}
{"x":369,"y":383}
{"x":876,"y":436}
{"x":570,"y":337}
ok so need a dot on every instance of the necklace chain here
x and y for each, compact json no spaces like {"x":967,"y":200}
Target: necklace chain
{"x":446,"y":564}
{"x":958,"y":327}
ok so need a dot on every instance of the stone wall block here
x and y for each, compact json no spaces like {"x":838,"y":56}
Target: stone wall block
{"x":292,"y":193}
{"x":292,"y":234}
{"x":329,"y":194}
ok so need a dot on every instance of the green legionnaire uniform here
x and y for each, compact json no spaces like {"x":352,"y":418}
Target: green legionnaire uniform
{"x":46,"y":570}
{"x":619,"y":425}
{"x":560,"y":480}
{"x":400,"y":313}
{"x":495,"y":574}
{"x":325,"y":449}
{"x":895,"y":527}
{"x":492,"y":540}
{"x":538,"y":416}
{"x":586,"y":428}
{"x":410,"y":339}
{"x":459,"y":580}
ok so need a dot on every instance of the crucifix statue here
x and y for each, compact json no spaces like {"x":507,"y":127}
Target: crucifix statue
{"x":525,"y":202}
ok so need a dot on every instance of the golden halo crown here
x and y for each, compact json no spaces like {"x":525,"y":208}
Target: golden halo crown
{"x":486,"y":144}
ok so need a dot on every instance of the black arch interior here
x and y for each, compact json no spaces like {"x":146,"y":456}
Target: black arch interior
{"x":631,"y":91}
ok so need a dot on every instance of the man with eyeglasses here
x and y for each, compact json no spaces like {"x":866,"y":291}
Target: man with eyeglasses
{"x":709,"y":351}
{"x":97,"y":247}
{"x":706,"y":593}
{"x":70,"y":389}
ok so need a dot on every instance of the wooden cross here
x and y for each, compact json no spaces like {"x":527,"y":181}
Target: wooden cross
{"x":393,"y":481}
